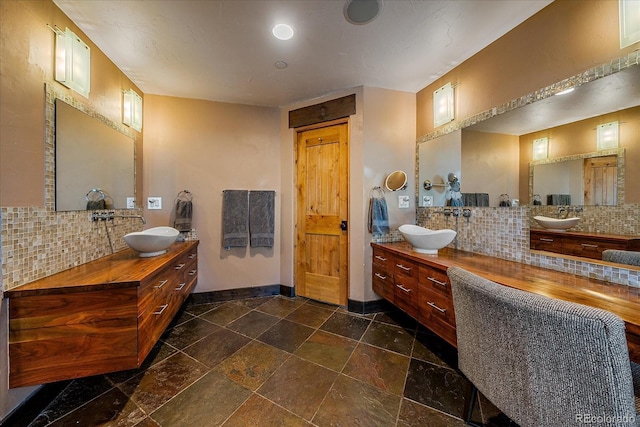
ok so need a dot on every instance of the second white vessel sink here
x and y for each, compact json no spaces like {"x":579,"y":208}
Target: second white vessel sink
{"x":424,"y":240}
{"x":153,"y":241}
{"x":558,"y":224}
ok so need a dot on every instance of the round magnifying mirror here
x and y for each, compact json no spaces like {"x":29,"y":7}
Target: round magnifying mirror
{"x":396,"y":181}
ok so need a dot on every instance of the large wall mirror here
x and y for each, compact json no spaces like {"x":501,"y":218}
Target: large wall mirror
{"x":94,"y":162}
{"x":495,"y":155}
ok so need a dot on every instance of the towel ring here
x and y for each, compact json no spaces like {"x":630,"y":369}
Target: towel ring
{"x":93,"y":193}
{"x":185,"y":195}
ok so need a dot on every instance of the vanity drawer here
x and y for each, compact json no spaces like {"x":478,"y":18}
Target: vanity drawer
{"x":434,"y":305}
{"x":383,"y":259}
{"x":545,"y":242}
{"x":382,"y":282}
{"x":435,"y":281}
{"x":405,"y":293}
{"x":589,"y":248}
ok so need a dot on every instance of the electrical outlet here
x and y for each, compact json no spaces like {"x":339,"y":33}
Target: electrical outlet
{"x":403,"y":202}
{"x":154,"y":202}
{"x":427,"y":201}
{"x":131,"y":202}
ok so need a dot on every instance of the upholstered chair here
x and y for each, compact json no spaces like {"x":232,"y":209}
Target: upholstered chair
{"x":542,"y":361}
{"x":621,"y":257}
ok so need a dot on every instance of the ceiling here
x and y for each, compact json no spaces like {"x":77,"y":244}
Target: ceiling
{"x":223,"y":50}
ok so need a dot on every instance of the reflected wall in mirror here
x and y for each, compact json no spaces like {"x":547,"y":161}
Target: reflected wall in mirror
{"x":437,"y":158}
{"x":590,"y":179}
{"x":90,"y":154}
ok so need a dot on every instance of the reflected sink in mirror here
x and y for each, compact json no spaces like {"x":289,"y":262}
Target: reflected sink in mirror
{"x":558,"y":224}
{"x":424,"y":240}
{"x":152,"y":242}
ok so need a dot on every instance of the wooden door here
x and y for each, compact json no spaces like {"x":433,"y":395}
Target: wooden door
{"x":601,"y":180}
{"x":322,"y":184}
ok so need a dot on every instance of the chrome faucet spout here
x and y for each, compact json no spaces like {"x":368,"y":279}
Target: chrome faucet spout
{"x":140,"y":217}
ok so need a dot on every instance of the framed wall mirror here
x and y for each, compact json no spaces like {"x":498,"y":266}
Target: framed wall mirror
{"x":93,"y":161}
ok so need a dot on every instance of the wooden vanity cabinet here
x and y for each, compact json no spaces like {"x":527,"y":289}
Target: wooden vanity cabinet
{"x":100,"y":317}
{"x":581,"y":244}
{"x":436,"y":303}
{"x":383,"y":264}
{"x":405,"y":280}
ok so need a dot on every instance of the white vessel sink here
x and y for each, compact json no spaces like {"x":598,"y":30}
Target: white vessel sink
{"x":153,"y":241}
{"x":556,"y":223}
{"x":424,"y":240}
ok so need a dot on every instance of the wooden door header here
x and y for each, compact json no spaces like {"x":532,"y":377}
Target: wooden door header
{"x":323,"y":112}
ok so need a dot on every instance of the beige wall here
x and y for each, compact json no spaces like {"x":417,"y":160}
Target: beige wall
{"x":580,"y":138}
{"x":207,"y":147}
{"x":563,"y":39}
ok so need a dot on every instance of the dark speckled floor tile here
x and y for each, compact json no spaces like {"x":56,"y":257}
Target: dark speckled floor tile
{"x":377,"y":367}
{"x":189,"y":332}
{"x":320,"y":304}
{"x":397,"y":318}
{"x":158,"y":353}
{"x":77,"y":393}
{"x":299,"y":386}
{"x":222,"y":397}
{"x":253,"y":364}
{"x":413,"y":414}
{"x":435,"y":386}
{"x":253,"y":323}
{"x":255,"y":302}
{"x":326,"y":349}
{"x":286,"y":335}
{"x":161,"y":382}
{"x":226,"y":313}
{"x":389,"y":337}
{"x":351,"y":402}
{"x":346,"y":325}
{"x":198,"y":309}
{"x":110,"y":409}
{"x":309,"y":315}
{"x":431,"y":348}
{"x":148,"y":422}
{"x":280,"y":306}
{"x":217,"y":347}
{"x":258,"y":411}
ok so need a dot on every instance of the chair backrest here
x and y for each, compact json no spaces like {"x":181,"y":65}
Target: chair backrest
{"x":621,"y":257}
{"x":542,"y":361}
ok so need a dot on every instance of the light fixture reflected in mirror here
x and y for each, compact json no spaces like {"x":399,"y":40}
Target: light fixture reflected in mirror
{"x":132,"y":110}
{"x":73,"y":62}
{"x":607,"y":136}
{"x":629,"y":22}
{"x":443,"y":105}
{"x":540,"y":148}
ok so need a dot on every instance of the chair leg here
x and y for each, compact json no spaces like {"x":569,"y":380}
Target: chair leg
{"x":469,"y":403}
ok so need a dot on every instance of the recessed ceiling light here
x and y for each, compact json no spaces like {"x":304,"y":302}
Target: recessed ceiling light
{"x":281,"y":65}
{"x":360,"y":12}
{"x":282,"y":31}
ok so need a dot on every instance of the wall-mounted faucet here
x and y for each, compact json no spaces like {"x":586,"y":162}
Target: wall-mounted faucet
{"x":109,"y":216}
{"x":140,"y":217}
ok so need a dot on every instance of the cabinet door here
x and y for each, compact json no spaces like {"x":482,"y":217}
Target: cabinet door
{"x":405,"y":277}
{"x":382,"y":271}
{"x":435,"y":303}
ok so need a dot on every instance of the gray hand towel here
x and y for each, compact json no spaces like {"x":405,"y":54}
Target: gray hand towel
{"x":184,"y":212}
{"x":235,"y":208}
{"x":261,"y":218}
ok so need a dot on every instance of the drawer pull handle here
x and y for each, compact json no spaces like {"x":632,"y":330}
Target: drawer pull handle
{"x":179,"y":266}
{"x":441,"y":310}
{"x":403,"y":267}
{"x":380,"y":258}
{"x":193,"y":272}
{"x":380,"y":276}
{"x":162,"y":283}
{"x":180,"y":286}
{"x":192,"y":256}
{"x":586,"y":245}
{"x":404,"y":289}
{"x":437,"y":282}
{"x":163,"y":307}
{"x":543,"y":239}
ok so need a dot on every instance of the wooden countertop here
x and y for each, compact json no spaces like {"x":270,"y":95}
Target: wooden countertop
{"x":621,"y":300}
{"x":121,"y":270}
{"x":585,"y":234}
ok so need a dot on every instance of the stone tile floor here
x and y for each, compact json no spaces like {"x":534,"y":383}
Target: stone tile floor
{"x":276,"y":361}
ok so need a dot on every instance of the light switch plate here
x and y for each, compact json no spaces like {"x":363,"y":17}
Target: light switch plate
{"x":403,"y":202}
{"x":427,"y":201}
{"x":154,"y":202}
{"x":131,"y":202}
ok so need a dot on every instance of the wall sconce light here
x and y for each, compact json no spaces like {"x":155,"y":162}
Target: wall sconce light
{"x":443,"y":105}
{"x":132,"y":109}
{"x":540,"y":148}
{"x":73,"y":62}
{"x":629,"y":22}
{"x":607,"y":136}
